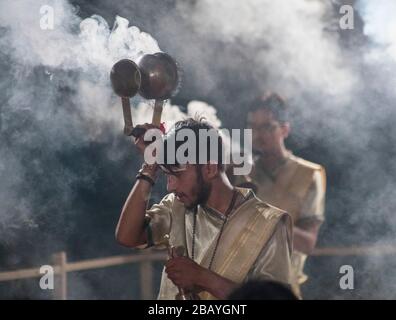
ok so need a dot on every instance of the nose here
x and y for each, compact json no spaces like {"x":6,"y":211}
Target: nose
{"x":171,"y":183}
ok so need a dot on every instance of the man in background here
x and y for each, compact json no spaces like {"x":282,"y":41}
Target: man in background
{"x":284,"y":180}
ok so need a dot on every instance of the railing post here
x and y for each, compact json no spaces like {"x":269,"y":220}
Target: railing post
{"x":60,"y":285}
{"x":146,"y":280}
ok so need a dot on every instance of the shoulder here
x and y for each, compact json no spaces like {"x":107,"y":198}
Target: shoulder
{"x":169,"y":198}
{"x":170,"y":201}
{"x":302,"y":163}
{"x":269,"y":212}
{"x":277,"y":219}
{"x":258,"y":206}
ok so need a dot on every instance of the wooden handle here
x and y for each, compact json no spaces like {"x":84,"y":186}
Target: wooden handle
{"x":157,"y":112}
{"x":126,"y":110}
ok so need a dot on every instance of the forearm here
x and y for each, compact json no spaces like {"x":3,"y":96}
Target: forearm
{"x":303,"y":241}
{"x":215,"y":284}
{"x":130,"y":228}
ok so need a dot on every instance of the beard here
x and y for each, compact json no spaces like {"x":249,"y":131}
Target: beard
{"x":201,"y":189}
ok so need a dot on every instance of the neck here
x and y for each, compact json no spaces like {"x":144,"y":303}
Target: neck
{"x":270,"y":161}
{"x":221,"y":195}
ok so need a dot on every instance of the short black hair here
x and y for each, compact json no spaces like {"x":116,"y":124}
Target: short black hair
{"x":263,"y":290}
{"x":195,"y":125}
{"x":274,"y":103}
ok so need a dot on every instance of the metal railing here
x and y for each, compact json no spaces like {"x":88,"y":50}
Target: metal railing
{"x":62,"y":267}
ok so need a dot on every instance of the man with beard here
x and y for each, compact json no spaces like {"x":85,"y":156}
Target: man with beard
{"x":284,"y":180}
{"x":227,"y":234}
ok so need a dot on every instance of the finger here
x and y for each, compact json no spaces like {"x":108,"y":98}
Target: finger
{"x":174,"y":267}
{"x":174,"y":276}
{"x":173,"y":272}
{"x":170,"y":263}
{"x":174,"y":261}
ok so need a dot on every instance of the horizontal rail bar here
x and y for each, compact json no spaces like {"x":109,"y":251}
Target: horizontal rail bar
{"x":160,"y":256}
{"x":114,"y":261}
{"x":20,"y":274}
{"x":85,"y":265}
{"x":355,"y":251}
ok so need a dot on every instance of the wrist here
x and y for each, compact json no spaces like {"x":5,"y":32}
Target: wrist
{"x":214,"y":284}
{"x":203,"y":278}
{"x":145,"y":177}
{"x":149,"y":170}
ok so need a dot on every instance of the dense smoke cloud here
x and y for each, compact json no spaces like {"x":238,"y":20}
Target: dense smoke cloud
{"x":285,"y":40}
{"x":59,"y":97}
{"x":341,"y":95}
{"x":380,"y":25}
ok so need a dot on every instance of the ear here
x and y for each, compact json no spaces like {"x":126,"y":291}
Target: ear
{"x":285,"y":129}
{"x":210,"y":170}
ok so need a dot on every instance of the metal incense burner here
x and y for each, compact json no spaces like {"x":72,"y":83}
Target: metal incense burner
{"x":155,"y":76}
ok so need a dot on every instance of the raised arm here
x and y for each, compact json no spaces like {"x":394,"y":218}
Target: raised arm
{"x":130,"y":229}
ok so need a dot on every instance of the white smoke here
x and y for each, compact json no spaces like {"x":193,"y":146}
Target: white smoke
{"x":285,"y":40}
{"x":380,"y":26}
{"x":341,"y":90}
{"x":72,"y":43}
{"x":58,"y":97}
{"x":86,"y":47}
{"x":171,"y":113}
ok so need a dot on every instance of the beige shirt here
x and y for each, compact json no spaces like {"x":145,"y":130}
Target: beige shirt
{"x":303,"y":196}
{"x":273,"y":261}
